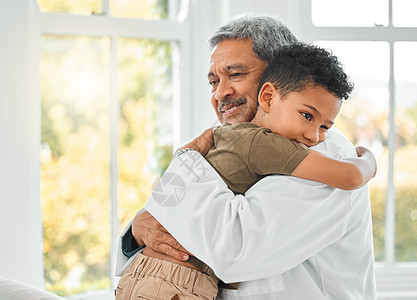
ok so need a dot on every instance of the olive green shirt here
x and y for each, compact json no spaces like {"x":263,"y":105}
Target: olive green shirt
{"x":244,"y":153}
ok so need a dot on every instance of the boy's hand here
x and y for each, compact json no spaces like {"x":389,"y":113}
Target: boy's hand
{"x":366,"y":153}
{"x":202,"y":143}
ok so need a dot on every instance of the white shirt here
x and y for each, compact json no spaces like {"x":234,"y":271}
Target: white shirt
{"x":287,"y":238}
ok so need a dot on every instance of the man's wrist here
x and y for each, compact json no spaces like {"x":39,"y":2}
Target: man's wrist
{"x":182,"y":151}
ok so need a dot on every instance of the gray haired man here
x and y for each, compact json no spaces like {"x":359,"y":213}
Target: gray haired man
{"x":286,"y":238}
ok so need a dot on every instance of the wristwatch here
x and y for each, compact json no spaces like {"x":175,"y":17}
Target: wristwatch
{"x":181,"y":151}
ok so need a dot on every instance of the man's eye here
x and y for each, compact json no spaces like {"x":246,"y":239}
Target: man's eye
{"x":324,"y":127}
{"x":236,"y":74}
{"x":213,"y":82}
{"x":307,"y":116}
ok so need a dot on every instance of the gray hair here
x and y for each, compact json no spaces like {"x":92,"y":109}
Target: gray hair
{"x":266,"y":33}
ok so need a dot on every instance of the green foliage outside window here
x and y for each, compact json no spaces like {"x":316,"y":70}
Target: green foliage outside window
{"x":145,"y":127}
{"x":144,"y":9}
{"x":75,"y":155}
{"x":84,"y":7}
{"x":406,"y":225}
{"x":75,"y":152}
{"x":405,"y":175}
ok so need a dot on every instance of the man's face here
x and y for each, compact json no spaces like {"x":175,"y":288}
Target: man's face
{"x":234,"y":75}
{"x":303,"y":117}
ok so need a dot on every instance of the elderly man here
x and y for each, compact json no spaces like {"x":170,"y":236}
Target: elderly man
{"x":286,"y":238}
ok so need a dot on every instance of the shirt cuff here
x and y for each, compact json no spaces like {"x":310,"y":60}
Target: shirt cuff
{"x":129,"y":245}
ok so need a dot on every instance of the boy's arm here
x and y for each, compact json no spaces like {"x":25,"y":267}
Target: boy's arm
{"x":347,"y":174}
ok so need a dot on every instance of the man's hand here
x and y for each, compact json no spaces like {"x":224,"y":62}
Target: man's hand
{"x":202,"y":143}
{"x":148,"y":231}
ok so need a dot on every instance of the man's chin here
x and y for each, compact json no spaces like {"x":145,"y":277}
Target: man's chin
{"x":235,"y":119}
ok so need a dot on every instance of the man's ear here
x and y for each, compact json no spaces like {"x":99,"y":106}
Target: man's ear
{"x":266,"y":94}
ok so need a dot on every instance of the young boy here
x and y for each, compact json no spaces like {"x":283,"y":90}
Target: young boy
{"x":299,"y":97}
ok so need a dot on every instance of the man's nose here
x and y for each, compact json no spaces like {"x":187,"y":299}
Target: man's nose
{"x":224,"y":91}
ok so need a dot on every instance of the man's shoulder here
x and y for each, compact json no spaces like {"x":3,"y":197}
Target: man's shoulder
{"x":336,"y":145}
{"x":240,"y":126}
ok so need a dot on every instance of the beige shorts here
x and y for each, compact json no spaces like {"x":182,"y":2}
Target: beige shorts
{"x":152,"y":278}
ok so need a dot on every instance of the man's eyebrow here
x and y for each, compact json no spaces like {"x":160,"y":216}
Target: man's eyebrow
{"x":240,"y":67}
{"x":237,"y":66}
{"x":315,"y":110}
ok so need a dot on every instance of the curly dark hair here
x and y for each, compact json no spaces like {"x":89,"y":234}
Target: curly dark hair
{"x":300,"y":65}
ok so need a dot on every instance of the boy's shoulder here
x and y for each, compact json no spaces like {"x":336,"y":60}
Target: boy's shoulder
{"x":238,"y":134}
{"x":241,"y":127}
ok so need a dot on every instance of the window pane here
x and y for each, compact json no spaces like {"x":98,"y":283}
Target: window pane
{"x":75,"y":163}
{"x":405,"y":172}
{"x":364,"y":116}
{"x":144,"y":9}
{"x":349,"y":13}
{"x":79,"y":7}
{"x":404,"y":13}
{"x":145,"y":128}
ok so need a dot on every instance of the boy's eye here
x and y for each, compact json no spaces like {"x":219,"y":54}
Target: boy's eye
{"x":307,"y":116}
{"x":324,"y":127}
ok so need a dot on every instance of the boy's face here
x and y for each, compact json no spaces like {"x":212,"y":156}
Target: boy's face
{"x":303,"y":117}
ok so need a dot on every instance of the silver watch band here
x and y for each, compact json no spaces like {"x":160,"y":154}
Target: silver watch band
{"x":182,"y":151}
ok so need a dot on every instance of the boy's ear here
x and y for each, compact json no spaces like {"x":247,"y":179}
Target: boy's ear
{"x":266,"y":94}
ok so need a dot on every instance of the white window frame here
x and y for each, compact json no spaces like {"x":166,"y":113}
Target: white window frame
{"x":395,"y":280}
{"x":174,"y":29}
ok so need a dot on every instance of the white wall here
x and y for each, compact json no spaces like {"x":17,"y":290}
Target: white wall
{"x":20,"y":237}
{"x":277,"y":8}
{"x":204,"y":18}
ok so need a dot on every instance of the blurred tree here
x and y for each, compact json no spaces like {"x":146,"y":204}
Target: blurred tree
{"x":406,"y":226}
{"x":75,"y":163}
{"x":84,"y":7}
{"x":374,"y":133}
{"x":75,"y":150}
{"x":145,"y":128}
{"x":144,"y":9}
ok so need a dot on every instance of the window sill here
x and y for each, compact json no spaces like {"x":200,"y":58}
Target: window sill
{"x":398,"y":281}
{"x":96,"y":295}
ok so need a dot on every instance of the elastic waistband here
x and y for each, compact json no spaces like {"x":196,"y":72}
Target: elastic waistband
{"x":192,"y":280}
